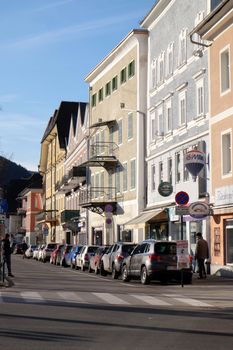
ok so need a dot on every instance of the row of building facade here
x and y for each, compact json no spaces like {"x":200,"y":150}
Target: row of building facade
{"x":164,"y":90}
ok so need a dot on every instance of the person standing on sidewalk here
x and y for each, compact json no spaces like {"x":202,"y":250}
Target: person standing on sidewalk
{"x":6,"y":253}
{"x":201,"y":253}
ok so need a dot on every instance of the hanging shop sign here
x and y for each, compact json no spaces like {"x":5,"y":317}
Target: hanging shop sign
{"x":165,"y":188}
{"x":194,"y":161}
{"x":199,"y":210}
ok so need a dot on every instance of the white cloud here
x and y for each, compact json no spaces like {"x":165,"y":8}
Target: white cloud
{"x":51,"y":5}
{"x":8,"y":98}
{"x":66,"y":32}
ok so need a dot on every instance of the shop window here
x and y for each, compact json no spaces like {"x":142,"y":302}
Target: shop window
{"x":217,"y":241}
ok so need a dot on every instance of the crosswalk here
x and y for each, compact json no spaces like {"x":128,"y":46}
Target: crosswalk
{"x":96,"y":298}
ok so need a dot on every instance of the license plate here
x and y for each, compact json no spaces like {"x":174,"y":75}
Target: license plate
{"x":171,"y":267}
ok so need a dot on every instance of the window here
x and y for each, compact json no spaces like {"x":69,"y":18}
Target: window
{"x":101,"y":95}
{"x":110,"y":184}
{"x":169,"y":70}
{"x":108,"y":89}
{"x":102,"y":144}
{"x":114,"y":83}
{"x":199,"y":17}
{"x":97,"y":185}
{"x":153,"y":74}
{"x":160,"y":172}
{"x":118,"y":180}
{"x":125,"y":177}
{"x":111,"y":131}
{"x":130,"y":126}
{"x":168,"y":116}
{"x":160,"y":122}
{"x":185,"y":170}
{"x":161,"y":67}
{"x":226,"y":153}
{"x":131,"y":69}
{"x":169,"y":170}
{"x":123,"y":75}
{"x":182,"y":108}
{"x":93,"y":100}
{"x":182,"y":47}
{"x":225,"y":70}
{"x":177,"y":157}
{"x":214,"y":3}
{"x":120,"y":132}
{"x":153,"y":128}
{"x":200,"y":98}
{"x":153,"y":177}
{"x":132,"y":174}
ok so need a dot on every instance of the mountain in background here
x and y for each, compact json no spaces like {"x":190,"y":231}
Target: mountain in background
{"x":11,"y":171}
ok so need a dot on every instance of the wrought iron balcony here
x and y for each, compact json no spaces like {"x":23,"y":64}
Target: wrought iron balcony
{"x":71,"y":180}
{"x":103,"y":154}
{"x":68,"y":215}
{"x":21,"y":211}
{"x":97,"y":198}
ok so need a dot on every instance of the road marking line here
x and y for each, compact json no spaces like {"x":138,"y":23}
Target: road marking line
{"x":71,"y":297}
{"x":32,"y":296}
{"x":193,"y":302}
{"x":110,"y":299}
{"x":150,"y":300}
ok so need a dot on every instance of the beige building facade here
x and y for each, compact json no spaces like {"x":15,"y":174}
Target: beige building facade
{"x":116,"y":187}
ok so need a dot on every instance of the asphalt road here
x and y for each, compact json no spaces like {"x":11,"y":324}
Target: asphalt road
{"x":50,"y":307}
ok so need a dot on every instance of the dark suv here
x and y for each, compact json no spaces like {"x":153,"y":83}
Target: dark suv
{"x":154,"y":260}
{"x":111,"y":261}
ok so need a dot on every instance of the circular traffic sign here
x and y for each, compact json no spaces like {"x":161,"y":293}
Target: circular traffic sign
{"x":165,"y":189}
{"x":182,"y":198}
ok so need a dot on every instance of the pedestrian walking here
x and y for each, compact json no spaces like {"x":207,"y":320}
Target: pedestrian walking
{"x":201,"y":253}
{"x":24,"y":248}
{"x":6,"y":253}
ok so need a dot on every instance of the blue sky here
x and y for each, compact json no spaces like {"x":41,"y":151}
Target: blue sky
{"x":47,"y":47}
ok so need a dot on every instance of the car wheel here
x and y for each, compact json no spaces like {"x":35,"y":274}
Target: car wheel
{"x":114,"y":272}
{"x":187,"y":278}
{"x":125,"y":275}
{"x":144,"y":276}
{"x":102,"y":270}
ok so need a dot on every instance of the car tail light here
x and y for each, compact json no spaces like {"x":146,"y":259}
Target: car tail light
{"x":86,"y":257}
{"x":119,"y":257}
{"x":154,"y":257}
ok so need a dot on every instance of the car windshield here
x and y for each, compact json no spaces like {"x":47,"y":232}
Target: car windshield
{"x":128,"y":248}
{"x":92,"y":249}
{"x":165,"y":248}
{"x":51,"y":246}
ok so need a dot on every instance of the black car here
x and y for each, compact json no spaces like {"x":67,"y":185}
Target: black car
{"x":154,"y":260}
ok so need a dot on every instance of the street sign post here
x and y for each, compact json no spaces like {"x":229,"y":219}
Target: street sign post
{"x":182,"y":198}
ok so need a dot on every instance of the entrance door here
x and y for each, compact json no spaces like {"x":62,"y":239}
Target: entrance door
{"x":229,"y":242}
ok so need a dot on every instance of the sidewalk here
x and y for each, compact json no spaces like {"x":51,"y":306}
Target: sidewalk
{"x":221,"y":279}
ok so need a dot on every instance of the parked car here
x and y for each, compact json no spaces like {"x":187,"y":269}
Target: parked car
{"x":111,"y":261}
{"x":83,"y":258}
{"x":74,"y":251}
{"x":30,"y":250}
{"x":18,"y":248}
{"x":154,"y":260}
{"x":35,"y":254}
{"x":65,"y":255}
{"x":46,"y":252}
{"x":55,"y":252}
{"x":95,"y":260}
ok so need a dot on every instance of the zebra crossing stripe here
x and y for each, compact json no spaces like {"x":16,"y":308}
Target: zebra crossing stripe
{"x":193,"y":302}
{"x":32,"y":296}
{"x":150,"y":300}
{"x":110,"y":299}
{"x":71,"y":297}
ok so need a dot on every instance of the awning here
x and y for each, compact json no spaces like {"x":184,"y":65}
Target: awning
{"x":145,"y":217}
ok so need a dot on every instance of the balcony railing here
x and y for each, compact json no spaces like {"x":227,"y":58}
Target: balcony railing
{"x":104,"y":154}
{"x":71,"y":180}
{"x":21,"y":211}
{"x":68,"y":215}
{"x":97,"y":198}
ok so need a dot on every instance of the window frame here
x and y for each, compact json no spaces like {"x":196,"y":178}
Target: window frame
{"x":131,"y":69}
{"x":223,"y":153}
{"x":133,"y":174}
{"x":182,"y":97}
{"x":228,"y":89}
